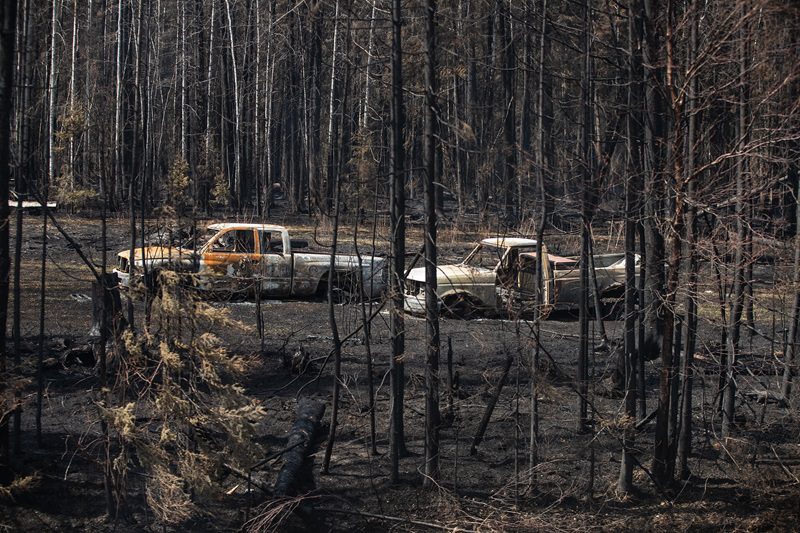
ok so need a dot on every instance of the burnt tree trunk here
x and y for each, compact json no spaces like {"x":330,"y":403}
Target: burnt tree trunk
{"x":664,"y":450}
{"x":431,"y":298}
{"x":598,"y":304}
{"x":540,"y":303}
{"x":582,"y":378}
{"x":40,"y":360}
{"x":299,"y":446}
{"x":509,"y":127}
{"x":339,"y":172}
{"x":630,"y":355}
{"x":790,"y":357}
{"x":687,"y":363}
{"x":8,"y":24}
{"x":654,"y":141}
{"x":736,"y":299}
{"x":398,"y":241}
{"x":337,"y":343}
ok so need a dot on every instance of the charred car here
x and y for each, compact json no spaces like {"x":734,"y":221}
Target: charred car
{"x":263,"y":258}
{"x":499,"y":276}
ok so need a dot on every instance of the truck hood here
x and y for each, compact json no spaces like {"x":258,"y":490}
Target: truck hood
{"x":454,"y":275}
{"x":156,"y":253}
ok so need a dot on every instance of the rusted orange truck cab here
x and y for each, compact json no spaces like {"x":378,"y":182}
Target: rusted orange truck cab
{"x":245,"y":257}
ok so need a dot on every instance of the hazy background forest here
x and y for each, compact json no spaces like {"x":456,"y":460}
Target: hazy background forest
{"x":407,"y":129}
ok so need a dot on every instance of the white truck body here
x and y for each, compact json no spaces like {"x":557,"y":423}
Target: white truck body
{"x":249,"y":257}
{"x":499,"y":276}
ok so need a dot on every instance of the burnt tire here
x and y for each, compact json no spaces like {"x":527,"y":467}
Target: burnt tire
{"x":344,"y":290}
{"x":461,"y":306}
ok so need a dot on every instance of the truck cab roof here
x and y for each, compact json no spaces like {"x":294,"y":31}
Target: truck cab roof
{"x":556,"y":259}
{"x":509,"y":242}
{"x":245,"y":225}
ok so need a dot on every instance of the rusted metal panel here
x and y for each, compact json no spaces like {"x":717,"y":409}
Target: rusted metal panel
{"x":500,"y":274}
{"x":259,"y":257}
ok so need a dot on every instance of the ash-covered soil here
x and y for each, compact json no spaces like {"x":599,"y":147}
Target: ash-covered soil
{"x":749,"y":482}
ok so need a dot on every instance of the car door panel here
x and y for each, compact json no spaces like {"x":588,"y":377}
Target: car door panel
{"x":275,"y":265}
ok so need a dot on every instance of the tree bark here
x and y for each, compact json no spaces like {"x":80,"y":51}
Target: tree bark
{"x":687,"y":363}
{"x":8,"y":24}
{"x":654,"y":144}
{"x":736,"y":298}
{"x":236,"y":191}
{"x":365,"y":323}
{"x":664,"y":451}
{"x":21,"y":179}
{"x":431,"y":298}
{"x":337,"y":343}
{"x":398,"y":242}
{"x":539,"y":302}
{"x":299,"y":446}
{"x":510,"y":112}
{"x":333,"y":96}
{"x":315,"y":103}
{"x":40,"y":360}
{"x":582,"y":378}
{"x":790,"y":355}
{"x":625,"y":483}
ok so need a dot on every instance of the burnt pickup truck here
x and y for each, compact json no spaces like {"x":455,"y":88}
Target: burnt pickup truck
{"x":499,"y":276}
{"x":245,"y":258}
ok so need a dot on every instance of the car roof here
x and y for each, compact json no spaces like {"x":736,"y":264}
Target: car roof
{"x":508,"y":242}
{"x":244,"y":225}
{"x":552,"y":257}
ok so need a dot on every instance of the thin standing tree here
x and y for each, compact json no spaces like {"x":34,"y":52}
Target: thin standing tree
{"x":625,"y":483}
{"x":431,"y":298}
{"x":790,"y":355}
{"x":540,"y":303}
{"x":8,"y":25}
{"x":582,"y":380}
{"x":398,"y":242}
{"x":736,"y":296}
{"x":236,"y":181}
{"x":684,"y":444}
{"x":337,"y":343}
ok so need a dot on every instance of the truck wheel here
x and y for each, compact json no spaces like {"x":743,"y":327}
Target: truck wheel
{"x":345,"y":289}
{"x":460,"y":306}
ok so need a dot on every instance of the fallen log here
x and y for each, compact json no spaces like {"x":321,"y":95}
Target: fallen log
{"x":300,"y":445}
{"x":487,"y":415}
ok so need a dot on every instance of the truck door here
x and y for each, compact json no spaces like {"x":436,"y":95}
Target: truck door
{"x":275,"y":264}
{"x":548,"y":281}
{"x":229,"y":260}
